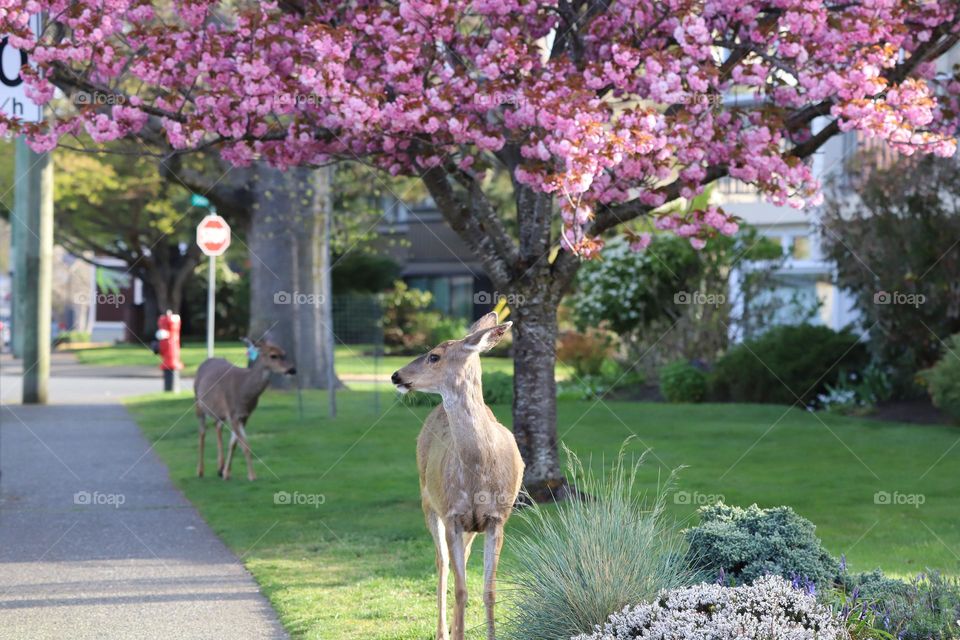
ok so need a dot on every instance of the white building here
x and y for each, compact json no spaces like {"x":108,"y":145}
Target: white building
{"x":806,"y":273}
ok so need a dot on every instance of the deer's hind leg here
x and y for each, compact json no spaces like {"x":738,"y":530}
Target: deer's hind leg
{"x":219,"y":447}
{"x":203,"y":432}
{"x":437,"y":530}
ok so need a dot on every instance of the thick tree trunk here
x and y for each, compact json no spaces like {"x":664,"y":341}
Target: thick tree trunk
{"x":151,"y":311}
{"x":535,"y":395}
{"x":289,"y":275}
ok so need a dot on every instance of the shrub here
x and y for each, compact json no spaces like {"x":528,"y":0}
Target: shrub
{"x":442,"y":328}
{"x":858,"y":392}
{"x":585,"y":352}
{"x":363,"y":271}
{"x":604,"y":548}
{"x":943,"y":380}
{"x":745,"y":544}
{"x":402,"y":325}
{"x":497,"y":388}
{"x":902,"y":221}
{"x":770,"y":609}
{"x":926,"y":608}
{"x":638,"y":294}
{"x":785,"y":363}
{"x":611,"y":378}
{"x":680,"y":381}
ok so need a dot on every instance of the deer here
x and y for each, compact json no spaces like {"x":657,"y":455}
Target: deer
{"x":470,"y":466}
{"x":229,"y":394}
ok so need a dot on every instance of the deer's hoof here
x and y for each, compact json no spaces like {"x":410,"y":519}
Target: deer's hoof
{"x":199,"y":473}
{"x":251,"y":477}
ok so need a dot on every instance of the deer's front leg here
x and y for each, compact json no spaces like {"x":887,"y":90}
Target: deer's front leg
{"x":454,"y":531}
{"x":491,"y":557}
{"x":435,"y":524}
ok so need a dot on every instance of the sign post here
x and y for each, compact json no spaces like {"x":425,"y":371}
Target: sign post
{"x":32,"y":229}
{"x":213,"y":237}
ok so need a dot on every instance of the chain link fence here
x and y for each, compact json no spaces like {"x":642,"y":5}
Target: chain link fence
{"x":359,"y":345}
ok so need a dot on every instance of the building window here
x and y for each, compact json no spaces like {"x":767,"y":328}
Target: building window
{"x":452,"y":295}
{"x":801,"y":247}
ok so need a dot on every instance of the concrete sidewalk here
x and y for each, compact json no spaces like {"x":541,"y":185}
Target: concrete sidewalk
{"x":95,"y":541}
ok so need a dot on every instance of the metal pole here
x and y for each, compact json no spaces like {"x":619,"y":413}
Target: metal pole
{"x":211,"y":292}
{"x":18,"y":271}
{"x":34,"y":210}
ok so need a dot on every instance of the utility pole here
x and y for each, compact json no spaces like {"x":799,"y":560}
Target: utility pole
{"x":32,"y":231}
{"x":33,"y":223}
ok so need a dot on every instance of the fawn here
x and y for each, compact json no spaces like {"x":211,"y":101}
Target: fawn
{"x":229,"y":394}
{"x":470,"y":466}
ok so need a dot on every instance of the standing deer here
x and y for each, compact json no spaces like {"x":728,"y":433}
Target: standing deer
{"x":470,"y":467}
{"x":229,"y":394}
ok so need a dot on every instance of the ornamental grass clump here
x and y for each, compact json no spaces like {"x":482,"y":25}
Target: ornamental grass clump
{"x":608,"y":546}
{"x":769,"y":609}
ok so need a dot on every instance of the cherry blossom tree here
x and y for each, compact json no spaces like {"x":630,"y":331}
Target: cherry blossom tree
{"x":600,"y":111}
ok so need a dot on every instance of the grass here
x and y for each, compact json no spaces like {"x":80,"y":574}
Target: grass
{"x":361,"y":565}
{"x":350,"y":360}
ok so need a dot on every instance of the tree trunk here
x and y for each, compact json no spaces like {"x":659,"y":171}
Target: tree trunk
{"x":151,"y":311}
{"x":289,"y":296}
{"x":535,"y":394}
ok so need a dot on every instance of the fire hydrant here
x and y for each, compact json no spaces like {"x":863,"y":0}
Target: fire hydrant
{"x":168,"y":337}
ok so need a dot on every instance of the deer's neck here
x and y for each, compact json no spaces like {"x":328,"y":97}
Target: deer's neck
{"x":466,"y":412}
{"x":255,"y":380}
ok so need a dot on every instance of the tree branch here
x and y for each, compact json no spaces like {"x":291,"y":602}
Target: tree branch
{"x":464,"y":219}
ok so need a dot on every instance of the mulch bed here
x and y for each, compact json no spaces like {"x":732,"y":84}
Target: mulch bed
{"x":910,"y":411}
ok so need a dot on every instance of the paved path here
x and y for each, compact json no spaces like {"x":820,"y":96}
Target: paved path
{"x":95,"y":541}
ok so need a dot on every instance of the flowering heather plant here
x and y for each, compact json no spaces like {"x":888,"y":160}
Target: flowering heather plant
{"x":876,"y":606}
{"x":769,"y":609}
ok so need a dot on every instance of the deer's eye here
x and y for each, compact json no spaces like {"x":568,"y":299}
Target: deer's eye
{"x":274,"y":356}
{"x":433,"y":358}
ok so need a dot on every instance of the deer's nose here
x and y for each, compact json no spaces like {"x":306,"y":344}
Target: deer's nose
{"x":395,"y":378}
{"x":292,"y":371}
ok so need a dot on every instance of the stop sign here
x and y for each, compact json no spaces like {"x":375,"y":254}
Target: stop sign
{"x":213,"y":235}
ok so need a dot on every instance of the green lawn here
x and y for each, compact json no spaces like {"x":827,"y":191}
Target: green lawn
{"x":360,"y":565}
{"x":350,"y":360}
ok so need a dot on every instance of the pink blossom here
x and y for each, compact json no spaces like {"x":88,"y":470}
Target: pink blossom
{"x":631,"y":121}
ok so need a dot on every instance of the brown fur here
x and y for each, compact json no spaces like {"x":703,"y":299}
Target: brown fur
{"x":470,"y":467}
{"x":229,"y":394}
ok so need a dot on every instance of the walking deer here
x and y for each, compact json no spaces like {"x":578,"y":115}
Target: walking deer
{"x":470,"y":467}
{"x":229,"y":394}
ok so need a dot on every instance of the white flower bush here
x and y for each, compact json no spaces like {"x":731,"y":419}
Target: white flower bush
{"x":769,"y":609}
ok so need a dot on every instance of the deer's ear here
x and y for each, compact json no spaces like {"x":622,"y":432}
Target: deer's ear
{"x":486,"y":339}
{"x":486,"y":321}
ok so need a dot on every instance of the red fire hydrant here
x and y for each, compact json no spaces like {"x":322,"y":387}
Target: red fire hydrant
{"x":168,"y":337}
